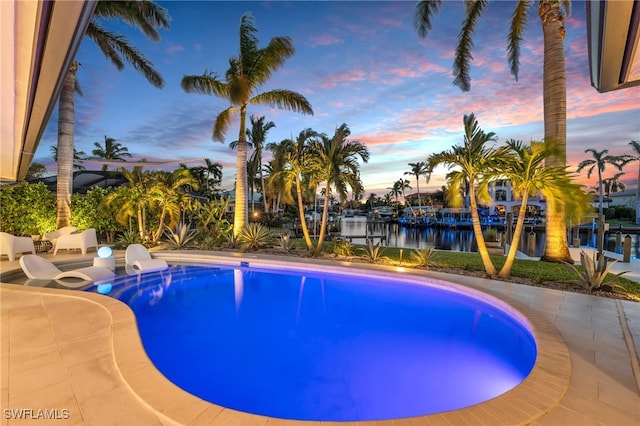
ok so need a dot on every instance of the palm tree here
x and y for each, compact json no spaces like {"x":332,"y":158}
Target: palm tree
{"x":294,"y":175}
{"x":144,"y":15}
{"x":635,"y":145}
{"x":599,"y":162}
{"x":112,"y":151}
{"x":247,"y":72}
{"x":552,"y":14}
{"x":399,"y":186}
{"x":335,"y":162}
{"x":78,"y":157}
{"x":524,"y":167}
{"x":474,"y":165}
{"x":395,"y":191}
{"x":258,"y":135}
{"x":168,"y":194}
{"x":133,"y":200}
{"x":418,"y":169}
{"x":613,"y":184}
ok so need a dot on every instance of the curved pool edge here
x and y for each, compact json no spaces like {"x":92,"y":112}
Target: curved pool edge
{"x":536,"y":395}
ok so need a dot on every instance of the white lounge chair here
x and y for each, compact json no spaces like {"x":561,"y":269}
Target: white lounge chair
{"x":138,"y":260}
{"x":12,"y":245}
{"x":39,"y":268}
{"x":53,"y":236}
{"x":83,"y":241}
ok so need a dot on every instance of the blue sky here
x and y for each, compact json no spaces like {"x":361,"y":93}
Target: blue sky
{"x":360,"y":63}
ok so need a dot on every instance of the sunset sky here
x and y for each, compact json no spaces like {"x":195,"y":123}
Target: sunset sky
{"x":359,"y":63}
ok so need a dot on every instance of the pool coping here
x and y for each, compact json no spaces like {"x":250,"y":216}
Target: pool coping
{"x":536,"y":395}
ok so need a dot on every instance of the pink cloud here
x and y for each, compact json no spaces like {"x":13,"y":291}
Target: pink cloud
{"x":324,"y":40}
{"x":173,"y":48}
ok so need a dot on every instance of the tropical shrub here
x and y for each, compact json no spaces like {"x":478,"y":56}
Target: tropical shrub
{"x":594,"y":272}
{"x":254,"y":236}
{"x":342,"y":248}
{"x":27,"y":209}
{"x":285,"y":242}
{"x":620,"y":212}
{"x":181,"y":236}
{"x":90,"y":211}
{"x":424,"y":257}
{"x":211,"y":224}
{"x":127,"y":238}
{"x":373,"y":253}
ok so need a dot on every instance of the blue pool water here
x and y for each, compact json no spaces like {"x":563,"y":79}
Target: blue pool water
{"x":312,"y":346}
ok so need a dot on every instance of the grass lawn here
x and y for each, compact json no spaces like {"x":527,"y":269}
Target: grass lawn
{"x":533,"y":272}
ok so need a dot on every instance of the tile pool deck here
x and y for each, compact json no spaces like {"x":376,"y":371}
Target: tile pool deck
{"x":68,"y":350}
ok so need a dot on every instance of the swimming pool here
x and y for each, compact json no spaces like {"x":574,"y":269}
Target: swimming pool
{"x":326,"y":346}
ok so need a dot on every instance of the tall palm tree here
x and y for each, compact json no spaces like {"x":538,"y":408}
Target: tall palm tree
{"x":247,"y":72}
{"x":552,"y":14}
{"x":524,"y":166}
{"x":258,"y":135}
{"x":335,"y":161}
{"x":421,"y":168}
{"x":78,"y":157}
{"x":295,"y":174}
{"x":473,"y":165}
{"x":598,"y":163}
{"x":148,"y":18}
{"x":403,"y":184}
{"x":112,"y":151}
{"x":635,"y":146}
{"x":394,"y":191}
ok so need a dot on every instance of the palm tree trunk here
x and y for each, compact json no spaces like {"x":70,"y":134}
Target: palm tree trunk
{"x":600,"y":192}
{"x":418,"y":188}
{"x":323,"y":223}
{"x":555,"y":121}
{"x":303,"y":222}
{"x":477,"y":230}
{"x":240,"y":209}
{"x":66,"y":120}
{"x":264,"y":190}
{"x":158,"y":233}
{"x":505,"y":272}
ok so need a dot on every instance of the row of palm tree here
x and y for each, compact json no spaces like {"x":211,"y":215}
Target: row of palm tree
{"x":156,"y":196}
{"x":552,"y":15}
{"x":474,"y":165}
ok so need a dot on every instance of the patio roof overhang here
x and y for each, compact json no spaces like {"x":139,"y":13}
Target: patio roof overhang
{"x":38,"y":41}
{"x":613,"y":38}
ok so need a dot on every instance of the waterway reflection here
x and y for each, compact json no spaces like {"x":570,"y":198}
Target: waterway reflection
{"x":391,"y":234}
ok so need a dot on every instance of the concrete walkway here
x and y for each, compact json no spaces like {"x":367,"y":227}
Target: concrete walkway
{"x":75,"y":355}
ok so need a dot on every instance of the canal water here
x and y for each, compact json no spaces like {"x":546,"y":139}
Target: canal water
{"x":357,"y":229}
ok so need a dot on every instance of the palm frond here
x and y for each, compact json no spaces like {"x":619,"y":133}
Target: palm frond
{"x":142,"y":14}
{"x":223,"y":120}
{"x":248,"y":42}
{"x":518,"y":26}
{"x":117,"y":47}
{"x":269,"y":60}
{"x":283,"y":99}
{"x":463,"y":58}
{"x":205,"y":84}
{"x":425,"y":10}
